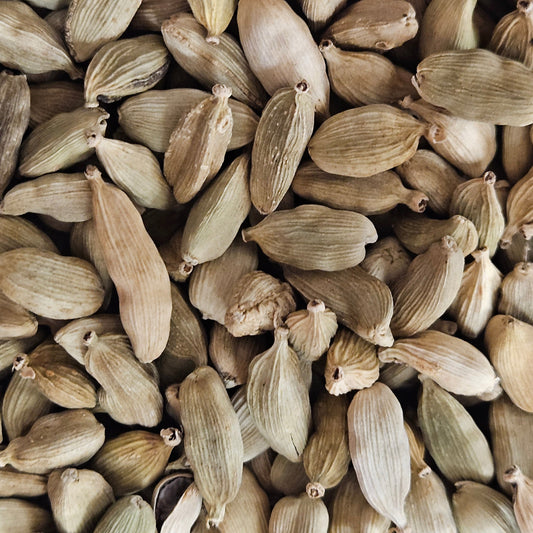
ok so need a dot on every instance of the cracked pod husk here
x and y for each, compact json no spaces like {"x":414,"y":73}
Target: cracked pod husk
{"x":522,"y":498}
{"x":128,"y":515}
{"x":517,"y":293}
{"x":519,"y":211}
{"x":293,"y":514}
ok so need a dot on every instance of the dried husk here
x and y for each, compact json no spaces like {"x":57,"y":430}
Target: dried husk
{"x":293,"y":514}
{"x":386,"y":260}
{"x":397,"y":375}
{"x":17,"y":232}
{"x":360,"y":301}
{"x":124,"y":67}
{"x":517,"y":151}
{"x":13,"y":483}
{"x":522,"y":498}
{"x":214,"y":16}
{"x":127,"y":515}
{"x":288,"y":478}
{"x":15,"y":321}
{"x":10,"y":348}
{"x":320,"y":12}
{"x":57,"y":20}
{"x":278,"y":398}
{"x":519,"y":210}
{"x":356,"y":143}
{"x":185,"y":512}
{"x":379,"y":449}
{"x":21,"y":516}
{"x":517,"y":293}
{"x":261,"y":466}
{"x":152,"y":13}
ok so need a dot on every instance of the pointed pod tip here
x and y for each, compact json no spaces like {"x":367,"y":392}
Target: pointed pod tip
{"x":221,"y":91}
{"x":93,"y":174}
{"x":315,"y":490}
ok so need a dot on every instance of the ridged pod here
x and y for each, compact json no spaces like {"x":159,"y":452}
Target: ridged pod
{"x":128,"y":515}
{"x":15,"y":321}
{"x":320,"y":12}
{"x":519,"y":210}
{"x":522,"y":498}
{"x":517,"y":293}
{"x":17,"y":232}
{"x":288,"y":478}
{"x":386,"y":260}
{"x":517,"y":151}
{"x":152,"y":13}
{"x":21,"y":485}
{"x":213,"y":15}
{"x":293,"y":514}
{"x":21,"y":516}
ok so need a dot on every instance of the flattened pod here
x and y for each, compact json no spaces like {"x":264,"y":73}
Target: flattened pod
{"x":213,"y":442}
{"x":428,"y":288}
{"x":281,"y":50}
{"x":360,"y":301}
{"x":293,"y":514}
{"x":128,"y":66}
{"x":70,"y":437}
{"x":519,"y":210}
{"x":92,"y":23}
{"x":517,"y":293}
{"x":380,"y":451}
{"x":128,"y":514}
{"x":198,"y":145}
{"x":522,"y":498}
{"x":28,"y":43}
{"x":364,"y":141}
{"x":452,"y":363}
{"x":61,"y":141}
{"x":135,"y":267}
{"x":284,"y":129}
{"x":493,"y":89}
{"x":50,"y":99}
{"x":17,"y":232}
{"x":278,"y":398}
{"x":50,"y":285}
{"x":314,"y":237}
{"x":14,"y":119}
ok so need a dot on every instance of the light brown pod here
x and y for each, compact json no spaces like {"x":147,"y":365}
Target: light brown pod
{"x":20,"y":516}
{"x":386,"y":260}
{"x":522,"y":498}
{"x":519,"y":210}
{"x":281,"y":50}
{"x":17,"y":232}
{"x":517,"y":293}
{"x":320,"y":12}
{"x":353,"y":143}
{"x":92,"y":23}
{"x":14,"y":483}
{"x":213,"y":15}
{"x":152,"y":13}
{"x":288,"y":478}
{"x":360,"y":301}
{"x":15,"y":321}
{"x":517,"y":151}
{"x":130,"y":513}
{"x":299,"y":513}
{"x":135,"y":267}
{"x":428,"y":288}
{"x":380,"y":451}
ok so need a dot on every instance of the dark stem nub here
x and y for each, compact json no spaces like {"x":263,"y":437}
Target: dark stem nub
{"x":325,"y":44}
{"x":489,"y":177}
{"x":315,"y":490}
{"x":524,"y":6}
{"x":172,"y":436}
{"x":302,"y":87}
{"x":338,"y":374}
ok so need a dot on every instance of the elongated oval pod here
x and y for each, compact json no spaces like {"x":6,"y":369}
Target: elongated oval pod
{"x":379,"y":449}
{"x":213,"y":442}
{"x":135,"y":267}
{"x":299,"y":513}
{"x":364,"y":141}
{"x":130,"y":513}
{"x":522,"y":498}
{"x":20,"y":516}
{"x":517,"y":151}
{"x":517,"y":293}
{"x":487,"y":94}
{"x":18,"y":484}
{"x":278,"y":398}
{"x":54,"y":97}
{"x":519,"y":210}
{"x":17,"y":232}
{"x":15,"y":321}
{"x":314,"y":237}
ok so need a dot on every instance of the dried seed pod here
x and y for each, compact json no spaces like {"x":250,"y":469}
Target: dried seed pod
{"x":92,"y":23}
{"x":16,"y":232}
{"x":476,"y":299}
{"x":65,"y":197}
{"x":150,"y":117}
{"x":352,"y":363}
{"x":517,"y":293}
{"x":519,"y":210}
{"x":448,"y":25}
{"x":184,"y":513}
{"x":522,"y":497}
{"x":20,"y":516}
{"x":152,"y":13}
{"x":135,"y":267}
{"x":278,"y":398}
{"x":15,"y":321}
{"x":477,"y":507}
{"x":380,"y":25}
{"x":128,"y":515}
{"x":509,"y":344}
{"x":326,"y":456}
{"x":380,"y":450}
{"x":352,"y":143}
{"x":49,"y":284}
{"x":291,"y":237}
{"x":320,"y":12}
{"x":386,"y":260}
{"x":360,"y":301}
{"x":61,"y":141}
{"x":57,"y":20}
{"x":281,"y":50}
{"x":70,"y":437}
{"x":452,"y":363}
{"x":517,"y":151}
{"x":259,"y":303}
{"x":124,"y":67}
{"x":214,"y":16}
{"x":455,"y":442}
{"x":28,"y":43}
{"x":397,"y":375}
{"x":299,"y":513}
{"x":363,"y":78}
{"x":494,"y":89}
{"x":428,"y":288}
{"x":213,"y":442}
{"x":261,"y":466}
{"x":368,"y":196}
{"x":135,"y":459}
{"x":223,"y":63}
{"x":434,"y":176}
{"x":21,"y":485}
{"x":288,"y":478}
{"x":198,"y":145}
{"x":418,"y":232}
{"x":78,"y":499}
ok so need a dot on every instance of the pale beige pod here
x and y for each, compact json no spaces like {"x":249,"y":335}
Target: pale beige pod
{"x":476,"y":299}
{"x":92,"y":23}
{"x":213,"y":442}
{"x":180,"y":517}
{"x":20,"y":516}
{"x":294,"y":514}
{"x":510,"y":348}
{"x":124,"y":67}
{"x":314,"y":237}
{"x":386,"y":260}
{"x":13,"y":483}
{"x":366,"y":140}
{"x":15,"y":321}
{"x":360,"y":301}
{"x":379,"y":449}
{"x":281,"y":50}
{"x":379,"y":25}
{"x":452,"y":363}
{"x":284,"y":129}
{"x":49,"y":284}
{"x":129,"y":514}
{"x":57,"y":20}
{"x":288,"y":478}
{"x":65,"y":197}
{"x":152,"y":13}
{"x":320,"y":12}
{"x":17,"y":232}
{"x":135,"y":267}
{"x":214,"y":15}
{"x":522,"y":498}
{"x":28,"y":43}
{"x":428,"y":287}
{"x":517,"y":151}
{"x":519,"y":210}
{"x":11,"y":347}
{"x":517,"y":293}
{"x":368,"y":196}
{"x":278,"y":398}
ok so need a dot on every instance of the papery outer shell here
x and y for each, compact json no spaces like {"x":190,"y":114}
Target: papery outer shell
{"x":293,"y":514}
{"x":20,"y":516}
{"x":15,"y":321}
{"x":517,"y":151}
{"x":386,"y":260}
{"x":184,"y":514}
{"x":152,"y":13}
{"x":18,"y":484}
{"x":17,"y":232}
{"x":131,"y":513}
{"x":517,"y":293}
{"x":288,"y":478}
{"x":519,"y":209}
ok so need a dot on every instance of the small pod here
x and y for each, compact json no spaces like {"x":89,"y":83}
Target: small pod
{"x":294,"y":514}
{"x":522,"y":498}
{"x":15,"y":321}
{"x":386,"y":260}
{"x":320,"y":12}
{"x":21,"y":516}
{"x":517,"y":151}
{"x":152,"y":13}
{"x":14,"y":483}
{"x":288,"y":478}
{"x":128,"y":515}
{"x":50,"y":99}
{"x":519,"y":211}
{"x":517,"y":293}
{"x":17,"y":232}
{"x":214,"y":16}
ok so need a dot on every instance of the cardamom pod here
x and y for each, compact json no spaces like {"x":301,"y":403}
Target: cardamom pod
{"x":17,"y":232}
{"x":320,"y":12}
{"x":152,"y":13}
{"x":293,"y":514}
{"x":288,"y":478}
{"x":214,"y":16}
{"x":20,"y":516}
{"x":522,"y":497}
{"x":14,"y":483}
{"x":128,"y":515}
{"x":15,"y":321}
{"x":517,"y":293}
{"x":386,"y":260}
{"x":517,"y":151}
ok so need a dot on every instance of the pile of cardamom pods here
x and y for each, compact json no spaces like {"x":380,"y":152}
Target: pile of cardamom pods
{"x":266,"y":266}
